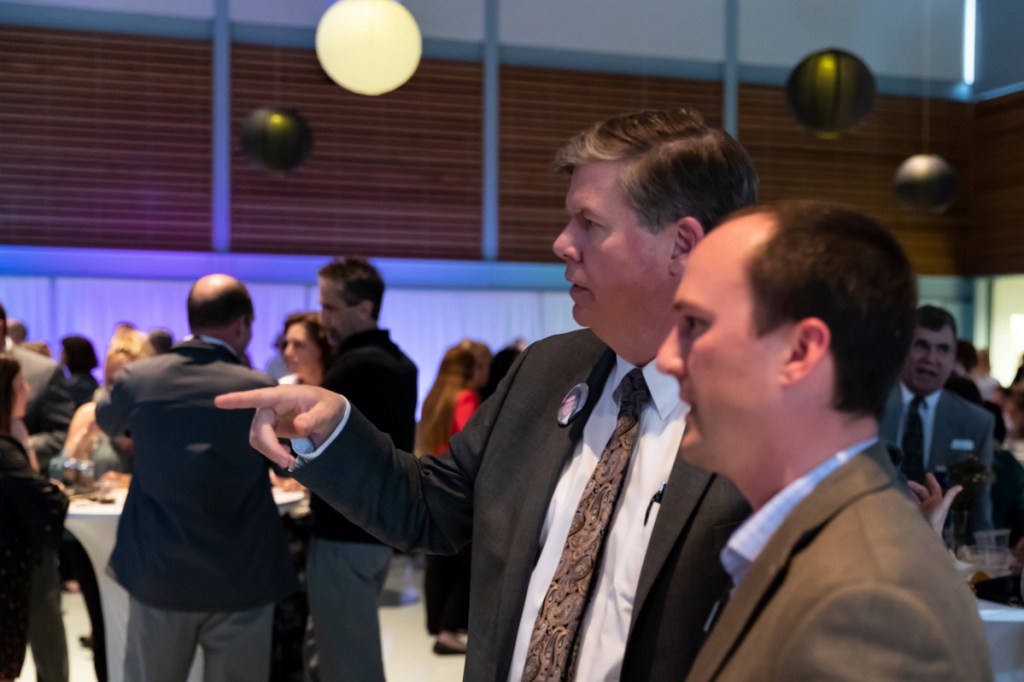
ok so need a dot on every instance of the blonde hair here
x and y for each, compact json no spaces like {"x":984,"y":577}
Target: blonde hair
{"x":126,"y":346}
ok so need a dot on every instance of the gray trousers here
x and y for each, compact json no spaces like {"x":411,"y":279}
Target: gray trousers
{"x":344,"y":580}
{"x":45,"y":622}
{"x":161,"y":644}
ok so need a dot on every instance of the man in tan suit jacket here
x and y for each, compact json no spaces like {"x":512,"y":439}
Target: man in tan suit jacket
{"x":793,"y":321}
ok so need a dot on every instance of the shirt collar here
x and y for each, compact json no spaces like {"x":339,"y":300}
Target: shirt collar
{"x":212,"y":341}
{"x":750,"y":539}
{"x":930,"y":400}
{"x":664,"y":389}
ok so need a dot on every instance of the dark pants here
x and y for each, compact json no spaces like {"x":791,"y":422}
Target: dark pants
{"x":45,"y":623}
{"x":446,"y":588}
{"x":80,"y":569}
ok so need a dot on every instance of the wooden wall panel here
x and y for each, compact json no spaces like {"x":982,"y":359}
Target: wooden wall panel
{"x":541,"y":109}
{"x":392,"y":176}
{"x":857,"y":168}
{"x":996,"y":245}
{"x":106,"y":140}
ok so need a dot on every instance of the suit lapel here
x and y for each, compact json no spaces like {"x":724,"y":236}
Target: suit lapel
{"x":943,"y":432}
{"x":559,"y":442}
{"x":684,"y":490}
{"x":553,"y":449}
{"x":864,"y":474}
{"x":890,"y":425}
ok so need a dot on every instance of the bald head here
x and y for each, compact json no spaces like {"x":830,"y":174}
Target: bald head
{"x":217,"y":301}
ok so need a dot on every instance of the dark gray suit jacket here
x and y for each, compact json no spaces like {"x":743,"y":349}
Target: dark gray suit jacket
{"x":494,"y":486}
{"x":853,"y":585}
{"x":957,"y":423}
{"x":200,"y":530}
{"x":49,"y":409}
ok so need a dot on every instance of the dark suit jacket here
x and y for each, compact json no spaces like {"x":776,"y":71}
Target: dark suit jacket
{"x":853,"y":585}
{"x":49,"y":409}
{"x":379,"y":379}
{"x":200,"y":530}
{"x":494,"y":486}
{"x":957,"y":422}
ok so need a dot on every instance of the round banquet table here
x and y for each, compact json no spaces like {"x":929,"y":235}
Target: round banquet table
{"x":94,"y":524}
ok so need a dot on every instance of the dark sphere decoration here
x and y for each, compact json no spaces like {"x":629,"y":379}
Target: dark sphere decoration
{"x":277,"y":139}
{"x":925,"y":182}
{"x":830,"y":91}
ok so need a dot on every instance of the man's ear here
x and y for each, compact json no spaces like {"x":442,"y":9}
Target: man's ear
{"x":809,"y":342}
{"x":365,"y":308}
{"x":687,"y":233}
{"x":238,"y":326}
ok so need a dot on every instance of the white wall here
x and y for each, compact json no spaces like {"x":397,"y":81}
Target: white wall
{"x":691,"y":30}
{"x":182,"y":9}
{"x":461,"y":20}
{"x":889,"y":35}
{"x":424,"y":322}
{"x":1006,"y":326}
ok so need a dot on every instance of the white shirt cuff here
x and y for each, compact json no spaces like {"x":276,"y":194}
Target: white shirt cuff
{"x":304,"y":449}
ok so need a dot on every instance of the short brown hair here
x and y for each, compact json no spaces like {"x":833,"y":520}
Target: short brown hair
{"x":315,"y":330}
{"x":840,"y":266}
{"x":360,"y":281}
{"x":675,"y":165}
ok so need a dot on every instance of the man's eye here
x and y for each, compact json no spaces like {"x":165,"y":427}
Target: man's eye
{"x":693,"y":325}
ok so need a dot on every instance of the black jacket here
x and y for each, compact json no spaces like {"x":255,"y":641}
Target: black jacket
{"x":380,"y":381}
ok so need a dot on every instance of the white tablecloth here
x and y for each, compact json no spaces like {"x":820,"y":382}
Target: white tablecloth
{"x":95,"y":526}
{"x":1004,"y":629}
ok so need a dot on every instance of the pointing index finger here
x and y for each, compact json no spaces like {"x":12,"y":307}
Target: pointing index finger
{"x":260,"y":397}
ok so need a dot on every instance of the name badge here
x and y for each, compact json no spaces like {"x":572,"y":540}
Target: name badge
{"x":961,"y":444}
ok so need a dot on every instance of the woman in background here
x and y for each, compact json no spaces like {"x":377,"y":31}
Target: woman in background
{"x":85,"y":439}
{"x":307,"y":353}
{"x":112,"y":461}
{"x":31,"y":515}
{"x":79,"y":358}
{"x":446,"y":410}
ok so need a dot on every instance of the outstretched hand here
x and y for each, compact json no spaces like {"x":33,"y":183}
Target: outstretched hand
{"x":295,"y":411}
{"x":934,"y":504}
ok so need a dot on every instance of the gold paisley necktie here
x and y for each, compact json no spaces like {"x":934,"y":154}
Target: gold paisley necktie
{"x":554,"y":640}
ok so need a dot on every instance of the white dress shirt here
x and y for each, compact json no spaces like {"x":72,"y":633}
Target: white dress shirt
{"x":606,"y":623}
{"x":931,"y":401}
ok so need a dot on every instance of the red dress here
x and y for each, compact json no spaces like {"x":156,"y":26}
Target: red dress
{"x":446,"y":581}
{"x":466,"y":402}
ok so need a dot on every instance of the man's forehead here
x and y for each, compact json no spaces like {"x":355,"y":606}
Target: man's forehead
{"x":731,"y":245}
{"x":720,"y":262}
{"x":331,"y":287}
{"x":944,"y":335}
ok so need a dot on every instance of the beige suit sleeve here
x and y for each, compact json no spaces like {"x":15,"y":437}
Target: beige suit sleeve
{"x":873,"y":632}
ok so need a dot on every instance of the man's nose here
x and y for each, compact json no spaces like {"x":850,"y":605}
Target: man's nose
{"x":670,"y":356}
{"x":564,"y":246}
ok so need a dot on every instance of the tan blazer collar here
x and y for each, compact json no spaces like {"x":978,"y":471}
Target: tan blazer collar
{"x":865,"y":474}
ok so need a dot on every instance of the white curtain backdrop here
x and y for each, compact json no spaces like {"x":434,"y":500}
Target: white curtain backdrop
{"x":424,"y":322}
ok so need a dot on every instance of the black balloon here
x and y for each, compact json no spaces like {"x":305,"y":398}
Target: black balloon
{"x":277,"y":139}
{"x":830,"y":91}
{"x":925,"y":182}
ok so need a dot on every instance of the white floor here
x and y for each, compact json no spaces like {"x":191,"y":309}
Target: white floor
{"x":406,"y":644}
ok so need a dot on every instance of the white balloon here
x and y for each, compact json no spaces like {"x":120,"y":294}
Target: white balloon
{"x":368,"y":46}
